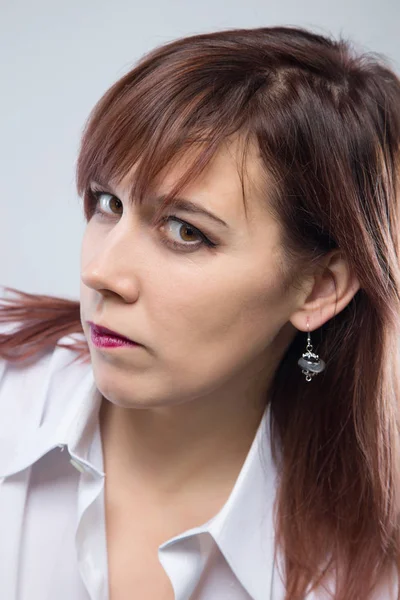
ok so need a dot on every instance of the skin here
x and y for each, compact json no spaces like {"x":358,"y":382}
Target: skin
{"x":180,"y":413}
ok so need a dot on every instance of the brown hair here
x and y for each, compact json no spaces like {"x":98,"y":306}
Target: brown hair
{"x":327,"y":123}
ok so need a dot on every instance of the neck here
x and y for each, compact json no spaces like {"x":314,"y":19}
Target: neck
{"x":179,"y":450}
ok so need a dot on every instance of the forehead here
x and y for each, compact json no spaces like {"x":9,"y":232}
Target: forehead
{"x":221,"y":185}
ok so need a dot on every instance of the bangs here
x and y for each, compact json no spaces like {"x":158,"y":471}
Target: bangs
{"x":155,"y":116}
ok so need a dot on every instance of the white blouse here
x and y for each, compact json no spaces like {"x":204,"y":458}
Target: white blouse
{"x":52,"y":518}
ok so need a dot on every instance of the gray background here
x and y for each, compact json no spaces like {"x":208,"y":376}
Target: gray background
{"x":58,"y":58}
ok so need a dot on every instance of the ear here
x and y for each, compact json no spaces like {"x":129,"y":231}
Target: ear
{"x":328,"y":292}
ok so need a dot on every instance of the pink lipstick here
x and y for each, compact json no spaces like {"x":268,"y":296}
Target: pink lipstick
{"x":105,"y":338}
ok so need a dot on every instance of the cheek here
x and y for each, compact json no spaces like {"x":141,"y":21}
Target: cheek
{"x":217,"y":321}
{"x":246,"y":318}
{"x":212,"y":339}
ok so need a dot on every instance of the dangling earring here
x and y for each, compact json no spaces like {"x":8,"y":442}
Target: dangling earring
{"x":309,"y":362}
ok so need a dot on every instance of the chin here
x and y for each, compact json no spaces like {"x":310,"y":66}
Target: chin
{"x":120,"y":393}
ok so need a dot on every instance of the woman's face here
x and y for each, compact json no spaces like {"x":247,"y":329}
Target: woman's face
{"x":211,"y":321}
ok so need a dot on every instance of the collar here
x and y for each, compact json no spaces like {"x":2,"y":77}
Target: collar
{"x":40,"y":425}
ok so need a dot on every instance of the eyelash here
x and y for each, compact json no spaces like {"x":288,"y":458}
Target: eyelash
{"x":94,"y":197}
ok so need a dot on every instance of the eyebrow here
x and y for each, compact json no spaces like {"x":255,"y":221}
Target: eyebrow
{"x":178,"y":203}
{"x":192,"y":207}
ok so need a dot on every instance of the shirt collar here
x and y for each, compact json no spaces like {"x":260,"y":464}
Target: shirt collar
{"x":68,"y":420}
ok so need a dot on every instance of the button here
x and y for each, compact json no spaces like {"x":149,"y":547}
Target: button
{"x":77,"y":465}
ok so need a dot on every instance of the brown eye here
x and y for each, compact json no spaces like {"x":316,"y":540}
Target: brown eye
{"x":106,"y":202}
{"x":183,"y":231}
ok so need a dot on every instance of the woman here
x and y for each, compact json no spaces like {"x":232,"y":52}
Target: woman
{"x":236,"y":436}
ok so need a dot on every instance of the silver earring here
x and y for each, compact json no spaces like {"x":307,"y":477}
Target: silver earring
{"x":310,"y":363}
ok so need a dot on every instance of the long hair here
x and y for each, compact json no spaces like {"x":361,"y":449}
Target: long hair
{"x":326,"y":119}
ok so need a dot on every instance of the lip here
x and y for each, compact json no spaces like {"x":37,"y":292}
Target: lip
{"x":105,"y":336}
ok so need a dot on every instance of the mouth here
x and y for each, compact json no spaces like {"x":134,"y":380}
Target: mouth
{"x":98,"y":331}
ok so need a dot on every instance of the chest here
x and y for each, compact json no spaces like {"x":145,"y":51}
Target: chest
{"x":134,"y":570}
{"x":133,"y":536}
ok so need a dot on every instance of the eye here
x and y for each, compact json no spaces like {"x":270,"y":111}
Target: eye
{"x":99,"y":202}
{"x":185,"y":230}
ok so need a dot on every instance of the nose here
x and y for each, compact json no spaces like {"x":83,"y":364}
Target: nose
{"x":107,"y":264}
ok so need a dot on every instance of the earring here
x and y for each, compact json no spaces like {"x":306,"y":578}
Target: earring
{"x":310,"y":363}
